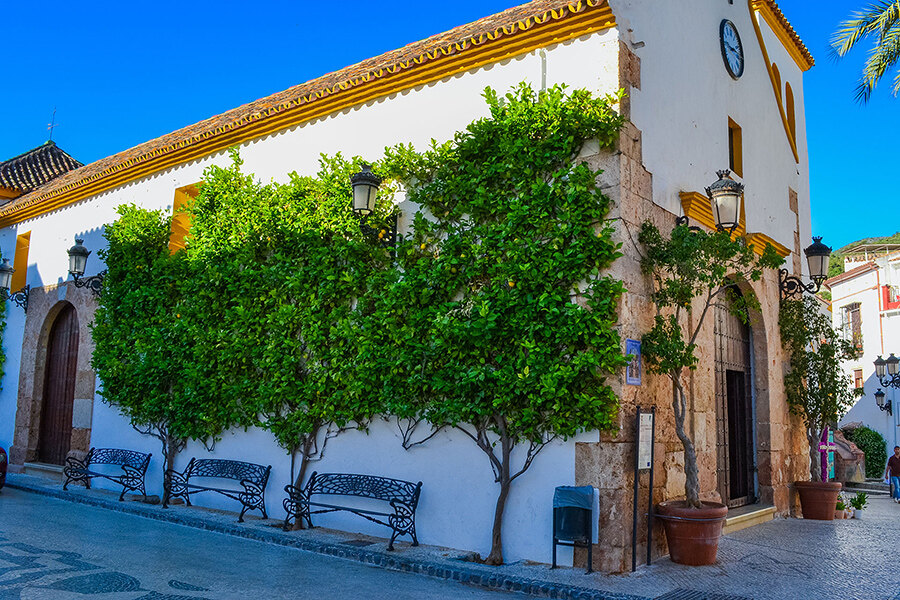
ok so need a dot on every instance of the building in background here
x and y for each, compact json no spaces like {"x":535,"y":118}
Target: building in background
{"x":865,"y":304}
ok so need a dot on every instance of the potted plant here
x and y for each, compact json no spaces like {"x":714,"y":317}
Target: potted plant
{"x":842,"y":508}
{"x":691,"y":271}
{"x":859,"y":502}
{"x":818,"y":390}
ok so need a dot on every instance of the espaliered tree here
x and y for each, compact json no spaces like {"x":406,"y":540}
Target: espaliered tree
{"x":818,"y":389}
{"x":512,"y":329}
{"x":279,"y":268}
{"x":690,"y":272}
{"x":143,"y":349}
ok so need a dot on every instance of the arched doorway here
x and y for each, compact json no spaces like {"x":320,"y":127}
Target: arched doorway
{"x":59,"y":388}
{"x":736,"y":431}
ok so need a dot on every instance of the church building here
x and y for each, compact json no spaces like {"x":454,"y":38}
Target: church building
{"x":709,"y":85}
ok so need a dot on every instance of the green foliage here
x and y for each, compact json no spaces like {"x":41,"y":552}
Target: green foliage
{"x":859,"y":501}
{"x":281,"y":313}
{"x":879,"y":22}
{"x":816,"y":386}
{"x":690,"y":271}
{"x":873,"y":445}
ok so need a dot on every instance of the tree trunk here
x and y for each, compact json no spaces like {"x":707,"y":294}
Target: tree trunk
{"x":691,"y":471}
{"x":815,"y":467}
{"x":305,"y":449}
{"x":503,"y":478}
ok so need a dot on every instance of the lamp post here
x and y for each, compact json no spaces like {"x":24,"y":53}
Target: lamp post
{"x":725,"y":198}
{"x":19,"y":298}
{"x":888,"y":373}
{"x":817,"y":257}
{"x":365,"y":189}
{"x":78,"y":256}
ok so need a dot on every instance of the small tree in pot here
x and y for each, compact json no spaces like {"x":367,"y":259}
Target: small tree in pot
{"x":817,"y":388}
{"x":690,"y":273}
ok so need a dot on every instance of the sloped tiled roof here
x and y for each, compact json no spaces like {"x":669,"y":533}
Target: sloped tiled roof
{"x":459,"y":49}
{"x":854,"y":272}
{"x":36,"y":167}
{"x":783,"y":26}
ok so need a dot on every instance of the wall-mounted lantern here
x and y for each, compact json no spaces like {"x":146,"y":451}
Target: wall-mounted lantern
{"x":879,"y":400}
{"x":725,"y":199}
{"x":19,"y":298}
{"x":78,"y":256}
{"x":365,"y":189}
{"x":818,"y":256}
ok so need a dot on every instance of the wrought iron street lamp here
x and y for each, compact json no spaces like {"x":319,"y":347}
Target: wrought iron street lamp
{"x":888,"y":373}
{"x":818,"y":256}
{"x":365,"y":189}
{"x":78,"y":256}
{"x":879,"y":400}
{"x":19,"y":298}
{"x":725,"y":198}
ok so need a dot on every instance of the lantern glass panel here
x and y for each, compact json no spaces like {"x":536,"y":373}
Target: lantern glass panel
{"x":726,"y":208}
{"x":892,"y":365}
{"x":364,"y":198}
{"x":880,"y":367}
{"x":879,"y":399}
{"x":6,"y":273}
{"x":77,"y":264}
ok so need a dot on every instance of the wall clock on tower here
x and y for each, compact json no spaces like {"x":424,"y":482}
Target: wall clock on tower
{"x":732,"y":49}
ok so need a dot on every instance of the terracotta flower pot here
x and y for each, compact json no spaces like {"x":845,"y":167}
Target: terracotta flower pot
{"x":3,"y":461}
{"x":818,"y":498}
{"x":692,"y":534}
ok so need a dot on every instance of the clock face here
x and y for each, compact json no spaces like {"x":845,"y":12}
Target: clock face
{"x":732,"y":49}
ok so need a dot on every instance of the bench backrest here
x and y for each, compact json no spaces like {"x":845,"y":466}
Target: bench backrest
{"x":116,"y":456}
{"x":229,"y":469}
{"x":364,"y":486}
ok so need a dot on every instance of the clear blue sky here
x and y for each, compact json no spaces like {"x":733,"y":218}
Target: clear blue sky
{"x":122,"y":73}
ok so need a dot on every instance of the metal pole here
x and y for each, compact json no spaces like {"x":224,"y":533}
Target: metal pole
{"x":637,"y":476}
{"x":650,"y":493}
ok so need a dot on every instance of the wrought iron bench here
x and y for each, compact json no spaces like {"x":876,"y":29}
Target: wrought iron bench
{"x":403,"y":497}
{"x":252,"y":477}
{"x":133,"y":464}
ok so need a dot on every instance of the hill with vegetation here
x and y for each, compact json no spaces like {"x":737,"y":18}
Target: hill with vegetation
{"x":836,"y":266}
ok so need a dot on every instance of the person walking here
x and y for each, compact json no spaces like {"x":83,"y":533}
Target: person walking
{"x":893,"y":471}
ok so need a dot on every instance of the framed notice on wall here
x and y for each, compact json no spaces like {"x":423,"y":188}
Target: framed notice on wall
{"x":633,"y":370}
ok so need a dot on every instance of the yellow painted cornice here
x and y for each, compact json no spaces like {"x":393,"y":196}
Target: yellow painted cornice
{"x":759,"y":241}
{"x":696,"y":207}
{"x":9,"y":193}
{"x":578,"y":18}
{"x":782,"y":29}
{"x":752,"y":4}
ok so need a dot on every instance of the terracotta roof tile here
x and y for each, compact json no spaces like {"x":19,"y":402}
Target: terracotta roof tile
{"x":459,"y":39}
{"x":864,"y":268}
{"x":36,"y":167}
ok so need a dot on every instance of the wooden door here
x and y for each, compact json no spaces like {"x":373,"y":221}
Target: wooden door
{"x":59,"y":388}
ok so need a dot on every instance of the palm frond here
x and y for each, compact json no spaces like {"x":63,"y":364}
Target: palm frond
{"x":881,"y":21}
{"x":881,"y":58}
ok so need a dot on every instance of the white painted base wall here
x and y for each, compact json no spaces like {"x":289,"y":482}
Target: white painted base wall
{"x":456,"y":508}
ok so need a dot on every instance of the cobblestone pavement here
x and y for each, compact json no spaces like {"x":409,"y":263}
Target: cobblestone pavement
{"x":55,"y":550}
{"x":783,"y":559}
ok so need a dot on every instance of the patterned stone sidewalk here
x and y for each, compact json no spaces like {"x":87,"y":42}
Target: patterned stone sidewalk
{"x":786,"y":558}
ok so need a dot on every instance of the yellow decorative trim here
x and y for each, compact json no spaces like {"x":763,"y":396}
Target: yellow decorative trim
{"x":760,"y":240}
{"x":580,"y":18}
{"x":775,"y":85}
{"x":785,"y":33}
{"x":9,"y":193}
{"x":696,"y":207}
{"x":20,"y":262}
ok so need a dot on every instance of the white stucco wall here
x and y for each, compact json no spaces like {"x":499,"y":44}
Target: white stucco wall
{"x":687,"y":96}
{"x":459,"y":493}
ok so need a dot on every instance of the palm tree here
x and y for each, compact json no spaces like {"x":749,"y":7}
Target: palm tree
{"x":880,"y":20}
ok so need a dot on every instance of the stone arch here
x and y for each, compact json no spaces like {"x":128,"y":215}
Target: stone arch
{"x":44,"y":306}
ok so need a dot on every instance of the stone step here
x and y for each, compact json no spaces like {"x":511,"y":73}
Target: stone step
{"x":747,"y":516}
{"x":44,"y":470}
{"x":870,"y":487}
